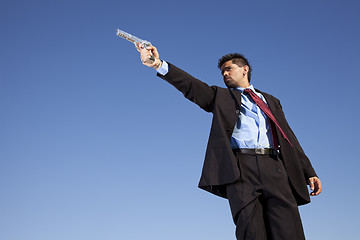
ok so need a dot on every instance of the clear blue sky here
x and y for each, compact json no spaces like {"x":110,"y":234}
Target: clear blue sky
{"x":94,"y":146}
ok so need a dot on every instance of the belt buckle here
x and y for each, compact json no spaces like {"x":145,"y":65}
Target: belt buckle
{"x":260,"y":151}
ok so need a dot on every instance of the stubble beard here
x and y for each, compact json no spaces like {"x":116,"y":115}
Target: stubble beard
{"x":231,"y":83}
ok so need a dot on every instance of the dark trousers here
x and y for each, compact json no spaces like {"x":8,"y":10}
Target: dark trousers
{"x":262,"y":204}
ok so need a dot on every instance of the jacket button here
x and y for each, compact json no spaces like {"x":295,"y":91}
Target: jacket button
{"x":237,"y":111}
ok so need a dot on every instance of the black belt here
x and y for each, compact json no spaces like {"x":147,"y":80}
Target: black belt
{"x":255,"y":151}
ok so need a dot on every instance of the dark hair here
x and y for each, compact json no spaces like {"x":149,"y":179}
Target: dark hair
{"x":237,"y":59}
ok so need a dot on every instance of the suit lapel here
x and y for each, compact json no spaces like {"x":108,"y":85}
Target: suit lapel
{"x":270,"y":101}
{"x":237,"y":96}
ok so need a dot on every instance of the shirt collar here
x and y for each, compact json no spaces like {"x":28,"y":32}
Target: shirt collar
{"x":242,"y":89}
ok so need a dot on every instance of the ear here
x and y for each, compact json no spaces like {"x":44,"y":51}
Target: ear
{"x":246,"y":69}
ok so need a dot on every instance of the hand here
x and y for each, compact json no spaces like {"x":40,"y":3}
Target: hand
{"x":315,"y":186}
{"x":146,"y":53}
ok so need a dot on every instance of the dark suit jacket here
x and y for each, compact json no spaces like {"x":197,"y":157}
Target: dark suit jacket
{"x":220,"y":166}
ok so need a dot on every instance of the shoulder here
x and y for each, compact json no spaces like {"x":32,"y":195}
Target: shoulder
{"x":268,"y":96}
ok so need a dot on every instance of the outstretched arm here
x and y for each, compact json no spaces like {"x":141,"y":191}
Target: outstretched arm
{"x":192,"y":88}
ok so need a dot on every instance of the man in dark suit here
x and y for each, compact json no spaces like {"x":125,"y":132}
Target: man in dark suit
{"x":253,"y":158}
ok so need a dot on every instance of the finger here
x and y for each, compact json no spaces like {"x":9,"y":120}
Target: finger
{"x":138,"y":46}
{"x":318,"y":187}
{"x":315,"y":193}
{"x":146,"y":51}
{"x":154,"y":51}
{"x":145,"y":55}
{"x":311,"y":182}
{"x":312,"y":187}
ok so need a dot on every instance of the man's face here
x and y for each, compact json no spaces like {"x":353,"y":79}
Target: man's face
{"x":233,"y":75}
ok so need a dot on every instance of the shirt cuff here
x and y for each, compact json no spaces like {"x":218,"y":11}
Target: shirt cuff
{"x":164,"y":69}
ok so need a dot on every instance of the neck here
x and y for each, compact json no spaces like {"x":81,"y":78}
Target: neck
{"x":244,"y":84}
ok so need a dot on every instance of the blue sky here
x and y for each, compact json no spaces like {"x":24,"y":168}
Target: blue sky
{"x":94,"y":146}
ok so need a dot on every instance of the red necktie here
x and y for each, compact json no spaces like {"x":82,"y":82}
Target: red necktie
{"x":262,"y":105}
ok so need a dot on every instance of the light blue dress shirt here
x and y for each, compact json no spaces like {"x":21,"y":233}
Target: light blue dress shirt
{"x":163,"y":70}
{"x":252,"y":129}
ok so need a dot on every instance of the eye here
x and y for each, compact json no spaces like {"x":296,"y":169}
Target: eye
{"x":226,"y":69}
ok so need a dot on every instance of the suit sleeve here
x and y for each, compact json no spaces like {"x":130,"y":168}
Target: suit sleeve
{"x":193,"y":89}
